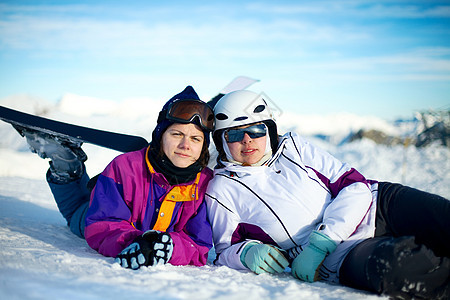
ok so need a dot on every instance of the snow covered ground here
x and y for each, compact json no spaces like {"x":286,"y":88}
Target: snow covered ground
{"x":40,"y":258}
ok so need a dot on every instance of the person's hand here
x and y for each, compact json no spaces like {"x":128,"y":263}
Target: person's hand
{"x":306,"y":265}
{"x":149,"y":249}
{"x":263,"y":258}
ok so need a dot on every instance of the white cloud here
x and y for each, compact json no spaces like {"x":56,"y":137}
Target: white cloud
{"x":288,"y":46}
{"x":227,"y":38}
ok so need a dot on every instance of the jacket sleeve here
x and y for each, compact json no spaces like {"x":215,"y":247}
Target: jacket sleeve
{"x":108,"y":220}
{"x":193,"y":242}
{"x":351,"y":198}
{"x":224,"y":220}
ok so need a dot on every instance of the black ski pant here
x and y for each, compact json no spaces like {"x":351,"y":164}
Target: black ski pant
{"x":409,"y":255}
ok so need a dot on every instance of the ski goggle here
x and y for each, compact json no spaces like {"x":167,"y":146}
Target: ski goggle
{"x":187,"y":110}
{"x":237,"y":135}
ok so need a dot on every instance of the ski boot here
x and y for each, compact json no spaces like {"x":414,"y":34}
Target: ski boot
{"x":67,"y":157}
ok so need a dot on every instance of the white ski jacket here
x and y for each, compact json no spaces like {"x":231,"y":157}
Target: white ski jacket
{"x":302,"y":188}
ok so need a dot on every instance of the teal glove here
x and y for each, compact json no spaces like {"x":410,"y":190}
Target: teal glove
{"x":263,"y":258}
{"x":306,"y":265}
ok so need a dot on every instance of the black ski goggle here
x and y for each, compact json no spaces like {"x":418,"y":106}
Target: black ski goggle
{"x":237,"y":135}
{"x":187,"y":110}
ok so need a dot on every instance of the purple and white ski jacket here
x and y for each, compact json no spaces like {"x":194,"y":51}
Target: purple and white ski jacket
{"x":301,"y":189}
{"x":130,"y":198}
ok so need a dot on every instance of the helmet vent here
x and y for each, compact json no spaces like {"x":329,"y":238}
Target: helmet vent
{"x":241,"y":118}
{"x":259,"y":108}
{"x":221,"y":116}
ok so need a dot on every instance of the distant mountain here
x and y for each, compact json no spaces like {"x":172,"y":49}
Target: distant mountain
{"x":138,"y":116}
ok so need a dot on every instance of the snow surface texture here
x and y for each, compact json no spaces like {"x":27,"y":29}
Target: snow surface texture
{"x":40,"y":258}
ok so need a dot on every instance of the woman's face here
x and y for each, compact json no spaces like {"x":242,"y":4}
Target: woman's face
{"x":182,"y":144}
{"x":248,"y":151}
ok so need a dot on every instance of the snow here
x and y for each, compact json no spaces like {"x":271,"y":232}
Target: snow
{"x":40,"y":258}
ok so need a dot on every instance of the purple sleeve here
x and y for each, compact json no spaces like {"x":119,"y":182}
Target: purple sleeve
{"x":108,"y":220}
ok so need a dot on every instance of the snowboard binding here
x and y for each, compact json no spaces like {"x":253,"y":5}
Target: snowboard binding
{"x":67,"y":157}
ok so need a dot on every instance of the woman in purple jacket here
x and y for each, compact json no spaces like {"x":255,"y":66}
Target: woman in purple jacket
{"x":147,"y":206}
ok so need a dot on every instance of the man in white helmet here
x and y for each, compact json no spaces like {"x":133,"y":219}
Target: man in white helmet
{"x":279,"y":201}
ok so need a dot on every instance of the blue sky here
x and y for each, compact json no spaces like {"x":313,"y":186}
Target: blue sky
{"x":382,"y":58}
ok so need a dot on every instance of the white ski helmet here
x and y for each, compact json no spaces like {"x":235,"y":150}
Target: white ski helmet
{"x":240,"y":108}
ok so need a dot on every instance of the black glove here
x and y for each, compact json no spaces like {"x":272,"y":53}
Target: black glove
{"x":149,"y":249}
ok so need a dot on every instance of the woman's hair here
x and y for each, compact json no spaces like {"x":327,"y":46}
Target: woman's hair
{"x":204,"y":156}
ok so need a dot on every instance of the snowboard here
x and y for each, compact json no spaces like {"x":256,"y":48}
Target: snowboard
{"x":75,"y":134}
{"x":71,"y":133}
{"x":238,"y":83}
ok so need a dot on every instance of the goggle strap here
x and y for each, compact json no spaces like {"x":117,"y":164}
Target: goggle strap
{"x":162,"y":116}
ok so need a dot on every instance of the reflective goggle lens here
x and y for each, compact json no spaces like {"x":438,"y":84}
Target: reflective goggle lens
{"x":185,"y":111}
{"x":237,"y":135}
